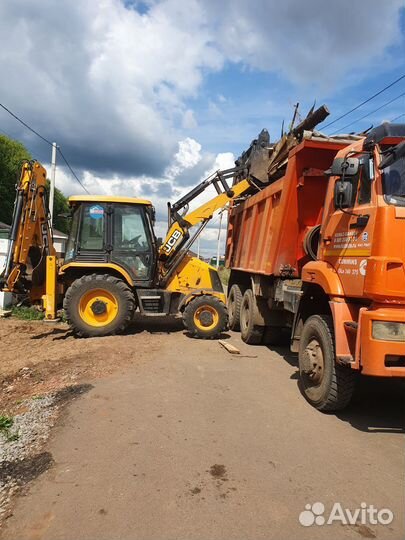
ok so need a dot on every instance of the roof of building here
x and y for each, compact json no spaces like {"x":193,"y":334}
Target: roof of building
{"x":58,"y":234}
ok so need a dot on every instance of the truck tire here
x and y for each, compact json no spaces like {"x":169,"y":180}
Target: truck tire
{"x":205,"y":317}
{"x":98,"y":305}
{"x":234,"y":304}
{"x":251,"y":333}
{"x":326,"y":385}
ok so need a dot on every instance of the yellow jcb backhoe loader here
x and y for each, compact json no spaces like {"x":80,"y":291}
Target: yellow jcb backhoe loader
{"x":113,"y":265}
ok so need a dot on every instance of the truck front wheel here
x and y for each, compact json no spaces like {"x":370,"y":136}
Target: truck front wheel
{"x":98,"y":305}
{"x":326,"y":385}
{"x":205,"y":317}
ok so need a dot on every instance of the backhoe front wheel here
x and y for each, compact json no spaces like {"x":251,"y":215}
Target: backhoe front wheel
{"x":205,"y":317}
{"x":326,"y":385}
{"x":98,"y":305}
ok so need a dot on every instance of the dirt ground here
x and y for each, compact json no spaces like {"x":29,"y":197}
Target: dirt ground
{"x":38,"y":357}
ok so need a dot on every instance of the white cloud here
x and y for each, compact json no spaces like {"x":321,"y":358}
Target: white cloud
{"x":314,"y":43}
{"x":187,"y":156}
{"x":189,"y":121}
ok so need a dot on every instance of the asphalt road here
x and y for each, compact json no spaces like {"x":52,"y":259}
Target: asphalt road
{"x":196,"y":443}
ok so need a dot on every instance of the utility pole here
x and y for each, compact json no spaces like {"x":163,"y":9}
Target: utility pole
{"x":52,"y":180}
{"x":219,"y":237}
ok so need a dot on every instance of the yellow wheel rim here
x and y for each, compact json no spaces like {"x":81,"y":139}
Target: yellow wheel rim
{"x":206,"y":317}
{"x":98,"y":307}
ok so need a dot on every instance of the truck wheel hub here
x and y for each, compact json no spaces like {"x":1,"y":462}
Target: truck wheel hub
{"x":313,"y":364}
{"x":99,"y":307}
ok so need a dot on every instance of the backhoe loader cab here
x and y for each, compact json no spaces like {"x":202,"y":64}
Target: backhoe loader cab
{"x":114,"y":230}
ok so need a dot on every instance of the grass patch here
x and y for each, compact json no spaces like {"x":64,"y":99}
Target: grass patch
{"x":6,"y":423}
{"x":27,"y":313}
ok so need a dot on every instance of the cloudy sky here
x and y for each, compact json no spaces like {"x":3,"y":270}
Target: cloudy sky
{"x":145,"y":98}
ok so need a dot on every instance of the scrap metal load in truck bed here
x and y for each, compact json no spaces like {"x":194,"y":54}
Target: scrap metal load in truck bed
{"x":318,"y":257}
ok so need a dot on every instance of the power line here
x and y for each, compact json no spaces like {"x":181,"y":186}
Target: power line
{"x":45,"y":140}
{"x":71,"y":170}
{"x":397,"y":117}
{"x":364,"y":102}
{"x":372,"y":112}
{"x":26,"y":125}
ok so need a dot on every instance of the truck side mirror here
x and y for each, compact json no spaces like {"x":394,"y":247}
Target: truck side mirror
{"x":344,"y":166}
{"x":343,"y":194}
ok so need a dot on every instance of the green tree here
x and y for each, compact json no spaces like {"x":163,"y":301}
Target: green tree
{"x":12,"y":153}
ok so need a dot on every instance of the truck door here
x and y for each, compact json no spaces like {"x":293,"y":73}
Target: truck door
{"x":347,"y":233}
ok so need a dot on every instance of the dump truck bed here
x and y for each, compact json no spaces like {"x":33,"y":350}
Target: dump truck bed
{"x":266,"y":232}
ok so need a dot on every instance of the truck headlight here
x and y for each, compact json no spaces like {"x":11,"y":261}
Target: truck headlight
{"x":389,"y":331}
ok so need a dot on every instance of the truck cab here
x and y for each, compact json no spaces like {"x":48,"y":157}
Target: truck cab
{"x":361,"y":258}
{"x":364,"y":219}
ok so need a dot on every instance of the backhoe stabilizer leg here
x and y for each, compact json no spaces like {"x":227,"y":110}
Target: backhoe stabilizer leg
{"x":49,"y":298}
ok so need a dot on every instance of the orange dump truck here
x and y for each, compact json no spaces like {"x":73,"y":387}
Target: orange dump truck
{"x":318,"y":256}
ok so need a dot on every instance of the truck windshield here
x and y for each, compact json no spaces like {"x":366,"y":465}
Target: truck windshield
{"x":394,"y":183}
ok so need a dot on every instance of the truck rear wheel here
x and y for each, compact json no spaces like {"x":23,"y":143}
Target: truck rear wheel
{"x":234,"y":305}
{"x":326,"y":385}
{"x":251,"y":333}
{"x":205,"y":317}
{"x":98,"y":305}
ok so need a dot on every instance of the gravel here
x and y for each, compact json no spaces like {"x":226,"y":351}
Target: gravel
{"x":21,"y":455}
{"x":31,"y":429}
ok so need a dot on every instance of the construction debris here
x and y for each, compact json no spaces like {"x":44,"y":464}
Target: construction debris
{"x":265,"y":161}
{"x":234,"y":350}
{"x":229,"y":347}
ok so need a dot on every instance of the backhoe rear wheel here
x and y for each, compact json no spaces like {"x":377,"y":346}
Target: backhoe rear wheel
{"x":205,"y":317}
{"x":234,"y":304}
{"x":98,"y":305}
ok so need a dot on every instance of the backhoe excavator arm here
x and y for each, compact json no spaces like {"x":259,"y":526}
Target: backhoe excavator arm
{"x":30,"y":239}
{"x":178,"y":237}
